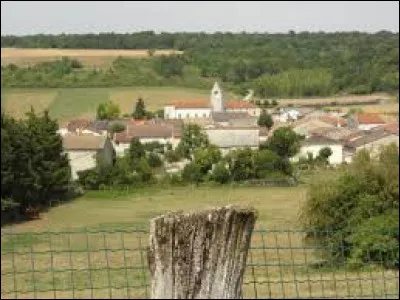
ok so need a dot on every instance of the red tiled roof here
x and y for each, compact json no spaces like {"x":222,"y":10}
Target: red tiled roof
{"x":238,"y":104}
{"x":191,"y":103}
{"x":205,"y":103}
{"x":333,"y":120}
{"x":78,"y":124}
{"x":369,"y":118}
{"x":392,"y":127}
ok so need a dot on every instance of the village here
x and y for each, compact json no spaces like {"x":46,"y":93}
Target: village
{"x":229,"y":125}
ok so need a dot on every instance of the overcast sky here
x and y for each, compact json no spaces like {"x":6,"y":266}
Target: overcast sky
{"x":34,"y":17}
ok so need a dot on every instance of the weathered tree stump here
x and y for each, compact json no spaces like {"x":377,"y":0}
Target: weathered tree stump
{"x":200,"y":255}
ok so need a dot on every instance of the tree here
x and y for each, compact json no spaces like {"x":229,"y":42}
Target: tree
{"x":192,"y":138}
{"x":192,"y":173}
{"x":108,"y":111}
{"x":117,"y":127}
{"x":265,"y":120}
{"x":140,"y":110}
{"x":284,"y":142}
{"x":221,"y":173}
{"x":241,"y":164}
{"x":154,"y":160}
{"x":206,"y":157}
{"x":35,"y":169}
{"x":136,"y":151}
{"x":265,"y":162}
{"x":324,"y":154}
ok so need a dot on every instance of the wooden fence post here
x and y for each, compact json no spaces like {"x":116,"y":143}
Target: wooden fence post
{"x":200,"y":255}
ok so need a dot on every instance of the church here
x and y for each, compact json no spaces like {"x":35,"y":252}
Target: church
{"x":205,"y":108}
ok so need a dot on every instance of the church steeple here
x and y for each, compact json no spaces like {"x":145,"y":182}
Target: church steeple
{"x":216,"y":98}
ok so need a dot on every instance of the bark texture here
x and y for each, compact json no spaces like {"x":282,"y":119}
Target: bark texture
{"x":200,"y":255}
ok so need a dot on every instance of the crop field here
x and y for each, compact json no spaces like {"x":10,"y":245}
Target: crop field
{"x":96,"y":252}
{"x":69,"y":103}
{"x":89,"y":57}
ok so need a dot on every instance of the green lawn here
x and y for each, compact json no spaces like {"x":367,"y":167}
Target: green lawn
{"x":98,"y":251}
{"x":277,"y":207}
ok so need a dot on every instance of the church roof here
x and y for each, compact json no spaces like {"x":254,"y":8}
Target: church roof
{"x":191,"y":103}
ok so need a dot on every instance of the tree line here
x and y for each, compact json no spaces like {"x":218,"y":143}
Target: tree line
{"x":293,"y":64}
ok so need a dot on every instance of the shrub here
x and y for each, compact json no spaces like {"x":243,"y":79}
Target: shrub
{"x":172,"y":156}
{"x":154,"y":160}
{"x":221,"y":173}
{"x":358,"y":210}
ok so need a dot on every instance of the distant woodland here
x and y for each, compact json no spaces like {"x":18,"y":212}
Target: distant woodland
{"x":274,"y":65}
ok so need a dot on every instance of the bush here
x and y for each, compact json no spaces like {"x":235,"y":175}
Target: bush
{"x":192,"y":173}
{"x":358,"y":210}
{"x":154,"y":160}
{"x":221,"y":173}
{"x":172,"y":156}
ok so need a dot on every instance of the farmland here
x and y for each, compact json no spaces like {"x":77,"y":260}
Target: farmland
{"x":89,"y":57}
{"x":68,"y":103}
{"x":65,"y":104}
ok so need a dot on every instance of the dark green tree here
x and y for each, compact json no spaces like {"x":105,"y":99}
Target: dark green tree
{"x":140,"y":110}
{"x":284,"y":142}
{"x":265,"y":120}
{"x":193,"y":138}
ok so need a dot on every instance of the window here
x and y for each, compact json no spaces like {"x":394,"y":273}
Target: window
{"x":205,"y":115}
{"x":179,"y":116}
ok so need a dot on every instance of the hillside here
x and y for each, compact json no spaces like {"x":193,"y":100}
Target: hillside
{"x":274,"y":65}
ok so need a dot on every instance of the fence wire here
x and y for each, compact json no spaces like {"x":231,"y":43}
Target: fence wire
{"x":93,"y":264}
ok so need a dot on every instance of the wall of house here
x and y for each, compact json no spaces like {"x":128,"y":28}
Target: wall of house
{"x":335,"y":158}
{"x":225,"y":138}
{"x":81,"y":160}
{"x":251,"y":111}
{"x":121,"y":148}
{"x":171,"y":112}
{"x":368,"y":126}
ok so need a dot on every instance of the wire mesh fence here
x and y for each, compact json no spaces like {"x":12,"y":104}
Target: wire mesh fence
{"x":107,"y":264}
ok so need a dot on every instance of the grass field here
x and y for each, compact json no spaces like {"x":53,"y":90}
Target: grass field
{"x":89,"y":57}
{"x":70,"y":103}
{"x":109,"y":260}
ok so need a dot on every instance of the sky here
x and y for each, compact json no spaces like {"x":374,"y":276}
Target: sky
{"x":54,"y":17}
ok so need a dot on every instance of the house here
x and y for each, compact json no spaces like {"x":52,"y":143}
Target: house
{"x":98,"y":127}
{"x":233,"y":119}
{"x":367,"y":121}
{"x":306,"y":126}
{"x":314,"y":143}
{"x":335,"y":133}
{"x":287,"y":115}
{"x":78,"y":125}
{"x":202,"y":108}
{"x":84,"y":151}
{"x":162,"y":132}
{"x":372,"y":140}
{"x":231,"y":138}
{"x":334,"y":120}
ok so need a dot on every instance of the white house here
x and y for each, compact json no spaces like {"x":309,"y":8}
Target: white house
{"x":287,"y":115}
{"x":162,"y":133}
{"x":85,"y":150}
{"x":202,"y":108}
{"x":315,"y":143}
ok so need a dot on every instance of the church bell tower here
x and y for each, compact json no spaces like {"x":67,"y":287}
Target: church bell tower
{"x":216,"y":98}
